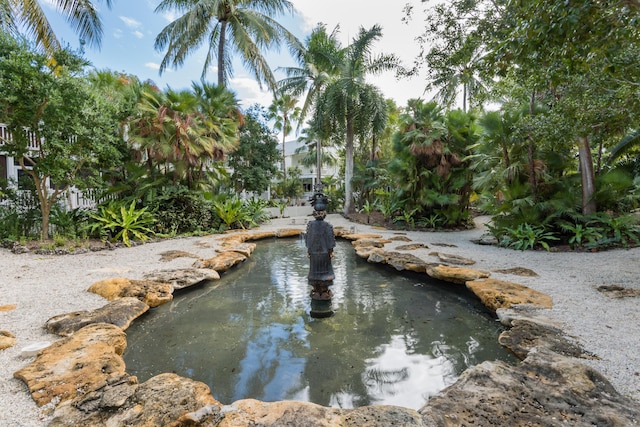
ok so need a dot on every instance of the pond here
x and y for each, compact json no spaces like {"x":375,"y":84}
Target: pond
{"x":392,"y":338}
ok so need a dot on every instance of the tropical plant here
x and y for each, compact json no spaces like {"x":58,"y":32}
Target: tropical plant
{"x":430,"y":165}
{"x":368,"y":208}
{"x":408,"y":217}
{"x":231,"y":211}
{"x":122,"y":223}
{"x":179,"y":211}
{"x":524,"y":236}
{"x":581,"y":235}
{"x":350,"y":106}
{"x":185,"y":130}
{"x":227,"y":26}
{"x":283,"y":111}
{"x":28,"y":16}
{"x":69,"y":223}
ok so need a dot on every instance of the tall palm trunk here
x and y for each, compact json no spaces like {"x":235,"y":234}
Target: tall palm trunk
{"x":587,"y":176}
{"x":223,"y":37}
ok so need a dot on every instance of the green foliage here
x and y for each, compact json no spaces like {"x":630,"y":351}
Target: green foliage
{"x":179,"y":211}
{"x":232,"y":212}
{"x":123,"y":223}
{"x":45,"y":98}
{"x":429,"y":168}
{"x":69,"y":223}
{"x":255,"y":161}
{"x":581,"y":235}
{"x":434,"y":221}
{"x":368,"y":208}
{"x":524,"y":236}
{"x":407,"y":217}
{"x":256,"y":211}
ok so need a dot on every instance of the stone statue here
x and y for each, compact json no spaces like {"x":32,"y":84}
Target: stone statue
{"x":320,"y":242}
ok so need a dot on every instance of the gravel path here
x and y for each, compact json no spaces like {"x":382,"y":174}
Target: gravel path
{"x":42,"y":286}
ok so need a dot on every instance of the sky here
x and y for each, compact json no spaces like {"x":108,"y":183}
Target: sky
{"x":130,"y":28}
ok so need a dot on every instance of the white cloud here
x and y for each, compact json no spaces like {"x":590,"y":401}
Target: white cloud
{"x":138,"y":34}
{"x":397,"y":37}
{"x":130,"y":22}
{"x":248,"y":92}
{"x":117,"y":33}
{"x":152,"y":65}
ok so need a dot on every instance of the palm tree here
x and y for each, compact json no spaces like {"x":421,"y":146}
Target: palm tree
{"x":179,"y":130}
{"x":243,"y":27}
{"x":317,"y":62}
{"x":350,"y":105}
{"x":283,"y":110}
{"x":27,"y":15}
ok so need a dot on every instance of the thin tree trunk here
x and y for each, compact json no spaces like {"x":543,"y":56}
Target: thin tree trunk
{"x":533,"y":181}
{"x":348,"y":170}
{"x":318,"y":162}
{"x":587,"y":176}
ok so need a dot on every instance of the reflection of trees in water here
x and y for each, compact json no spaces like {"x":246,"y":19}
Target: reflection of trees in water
{"x":250,"y":334}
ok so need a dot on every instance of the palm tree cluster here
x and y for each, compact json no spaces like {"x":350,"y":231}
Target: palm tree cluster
{"x":341,"y":103}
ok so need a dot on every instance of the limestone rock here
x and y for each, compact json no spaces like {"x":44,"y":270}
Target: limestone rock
{"x":221,"y":262}
{"x":181,"y":278}
{"x":259,"y":235}
{"x":245,"y":249}
{"x":459,"y":275}
{"x":401,"y":239}
{"x":507,"y":316}
{"x":546,"y":389}
{"x":383,"y":415}
{"x":372,"y":243}
{"x":7,"y":339}
{"x":616,"y":291}
{"x":74,"y":366}
{"x":164,"y":400}
{"x":496,"y":294}
{"x":412,"y":247}
{"x":452,"y":259}
{"x":120,"y":312}
{"x":518,"y":271}
{"x":248,"y":412}
{"x":360,"y":236}
{"x":524,"y":335}
{"x":173,"y":254}
{"x":289,"y":232}
{"x":151,"y":293}
{"x":398,"y":260}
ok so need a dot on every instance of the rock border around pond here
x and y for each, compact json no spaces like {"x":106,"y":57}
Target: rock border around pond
{"x":84,"y":377}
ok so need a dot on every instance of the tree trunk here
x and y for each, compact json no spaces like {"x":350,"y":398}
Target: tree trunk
{"x":223,"y":36}
{"x":533,"y":181}
{"x":587,"y":176}
{"x":348,"y":170}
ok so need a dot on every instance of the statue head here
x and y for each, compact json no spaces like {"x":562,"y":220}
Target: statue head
{"x":319,"y":201}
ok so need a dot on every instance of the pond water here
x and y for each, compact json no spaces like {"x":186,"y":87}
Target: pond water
{"x":392,"y":339}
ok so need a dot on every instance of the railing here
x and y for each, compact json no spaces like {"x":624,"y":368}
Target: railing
{"x":5,"y":135}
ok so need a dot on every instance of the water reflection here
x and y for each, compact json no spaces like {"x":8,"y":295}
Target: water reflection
{"x":392,"y":339}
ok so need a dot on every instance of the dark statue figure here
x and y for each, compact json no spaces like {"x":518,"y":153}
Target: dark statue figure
{"x":320,"y":242}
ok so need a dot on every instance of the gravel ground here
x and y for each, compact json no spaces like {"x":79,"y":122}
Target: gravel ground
{"x":43,"y":286}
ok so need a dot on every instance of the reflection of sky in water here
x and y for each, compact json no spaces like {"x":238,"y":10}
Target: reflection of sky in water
{"x":266,"y":359}
{"x":400,"y":377}
{"x":393,"y":339}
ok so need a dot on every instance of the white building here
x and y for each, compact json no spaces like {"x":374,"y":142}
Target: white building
{"x":309,"y":173}
{"x":11,"y":173}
